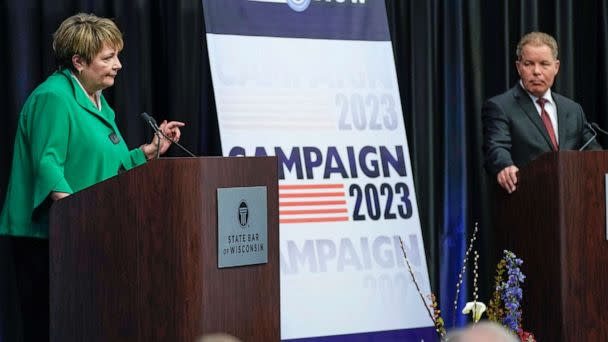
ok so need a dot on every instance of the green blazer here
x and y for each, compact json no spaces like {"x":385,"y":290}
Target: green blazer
{"x":63,"y":143}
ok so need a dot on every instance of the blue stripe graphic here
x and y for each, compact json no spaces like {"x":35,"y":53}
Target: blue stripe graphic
{"x":348,"y":20}
{"x":427,"y":334}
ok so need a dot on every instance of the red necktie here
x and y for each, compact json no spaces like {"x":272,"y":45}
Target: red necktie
{"x":547,"y":121}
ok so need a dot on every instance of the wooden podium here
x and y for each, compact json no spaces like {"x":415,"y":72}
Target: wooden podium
{"x":135,"y":258}
{"x":556,"y":222}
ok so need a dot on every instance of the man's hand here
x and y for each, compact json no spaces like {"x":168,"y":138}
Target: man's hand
{"x":507,"y":178}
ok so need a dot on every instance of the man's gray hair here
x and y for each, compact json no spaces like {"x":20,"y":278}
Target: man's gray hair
{"x":537,"y":39}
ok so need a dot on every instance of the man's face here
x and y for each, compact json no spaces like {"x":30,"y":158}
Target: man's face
{"x":537,"y":68}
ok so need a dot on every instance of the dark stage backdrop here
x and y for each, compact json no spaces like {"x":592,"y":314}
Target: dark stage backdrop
{"x":450,"y":56}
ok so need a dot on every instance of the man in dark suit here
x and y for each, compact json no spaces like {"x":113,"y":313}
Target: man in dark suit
{"x":529,"y":119}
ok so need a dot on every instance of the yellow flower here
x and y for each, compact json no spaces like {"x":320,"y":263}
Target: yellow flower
{"x":477,"y":309}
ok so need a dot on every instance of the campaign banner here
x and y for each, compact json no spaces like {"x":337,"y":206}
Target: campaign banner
{"x":314,"y":83}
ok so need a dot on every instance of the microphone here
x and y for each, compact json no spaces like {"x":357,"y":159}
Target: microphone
{"x":152,"y":122}
{"x":590,"y":126}
{"x":147,"y":118}
{"x":599,"y":128}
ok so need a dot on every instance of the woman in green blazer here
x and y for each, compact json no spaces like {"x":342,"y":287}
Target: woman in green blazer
{"x":66,"y":140}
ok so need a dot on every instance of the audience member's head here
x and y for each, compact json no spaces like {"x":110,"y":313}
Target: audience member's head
{"x":218,"y":337}
{"x":485,"y":331}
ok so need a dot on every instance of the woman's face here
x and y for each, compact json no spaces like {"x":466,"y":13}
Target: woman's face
{"x":99,"y":74}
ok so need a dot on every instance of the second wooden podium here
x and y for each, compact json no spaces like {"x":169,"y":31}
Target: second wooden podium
{"x":135,"y":258}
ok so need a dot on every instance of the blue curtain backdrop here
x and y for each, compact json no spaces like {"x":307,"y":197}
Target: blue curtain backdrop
{"x":455,"y":184}
{"x":450,"y":56}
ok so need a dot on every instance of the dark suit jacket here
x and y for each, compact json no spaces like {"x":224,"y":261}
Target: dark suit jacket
{"x":514,"y":133}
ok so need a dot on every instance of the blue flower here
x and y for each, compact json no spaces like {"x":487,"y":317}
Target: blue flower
{"x":511,"y":292}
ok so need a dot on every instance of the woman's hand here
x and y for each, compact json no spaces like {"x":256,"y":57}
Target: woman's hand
{"x":171,"y":130}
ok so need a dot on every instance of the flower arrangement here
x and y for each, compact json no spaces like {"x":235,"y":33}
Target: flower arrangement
{"x":504,"y":306}
{"x":433,"y":307}
{"x":437,"y":320}
{"x":495,"y":309}
{"x":463,"y":270}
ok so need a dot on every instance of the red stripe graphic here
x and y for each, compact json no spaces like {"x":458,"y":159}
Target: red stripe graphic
{"x":314,"y":219}
{"x":311,"y":186}
{"x":312,"y":203}
{"x":314,"y":211}
{"x":297,"y":204}
{"x":312,"y":194}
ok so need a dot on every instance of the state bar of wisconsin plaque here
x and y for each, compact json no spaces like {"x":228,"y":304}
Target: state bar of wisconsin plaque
{"x":242,"y":226}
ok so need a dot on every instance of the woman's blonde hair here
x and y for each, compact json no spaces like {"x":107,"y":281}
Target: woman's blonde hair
{"x":84,"y":35}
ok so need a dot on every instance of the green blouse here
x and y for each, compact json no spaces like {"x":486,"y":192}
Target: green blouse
{"x":63,"y":143}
